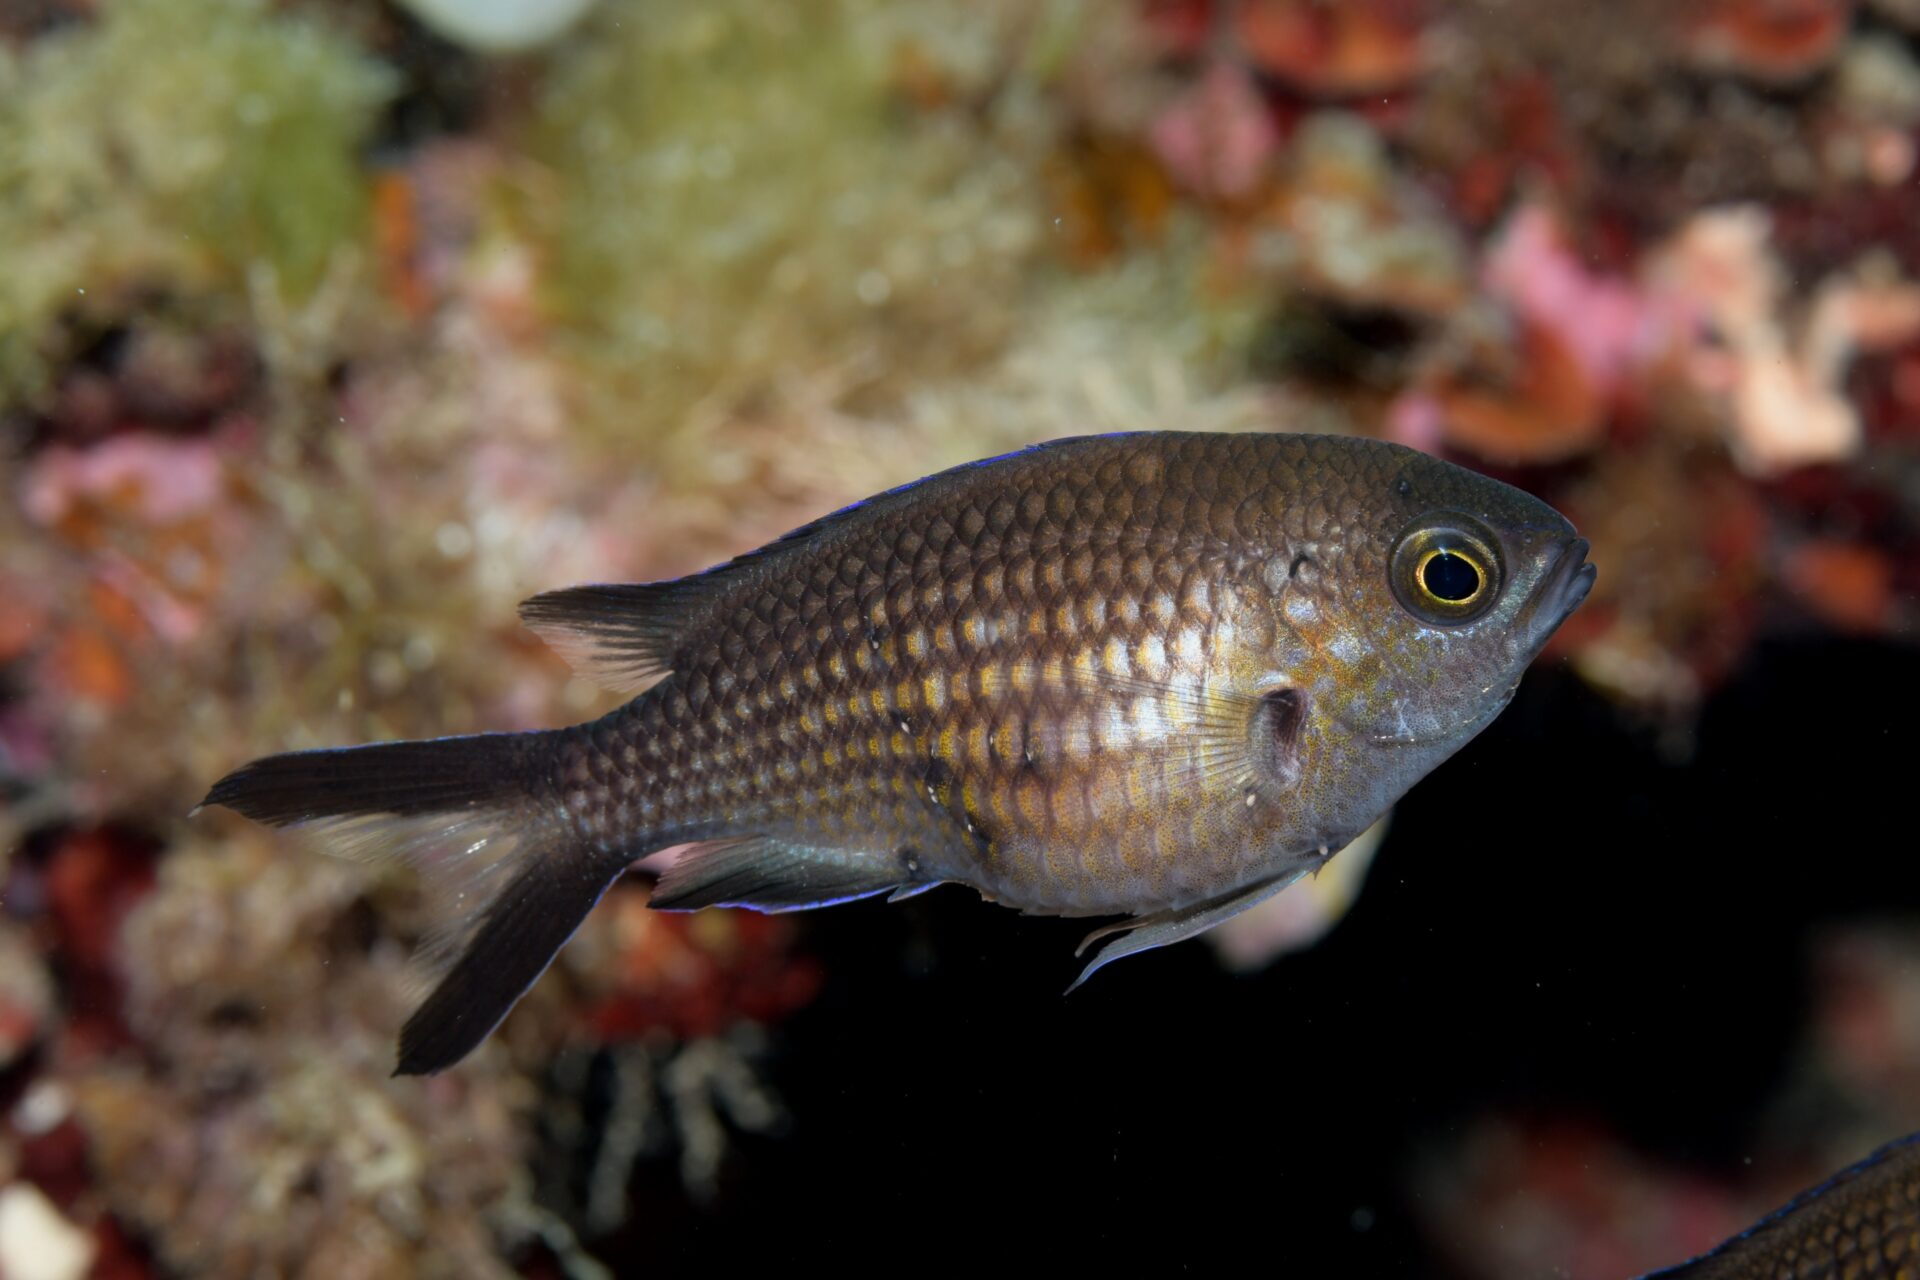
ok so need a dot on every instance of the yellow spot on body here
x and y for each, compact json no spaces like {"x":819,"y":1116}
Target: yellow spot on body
{"x":1031,"y":798}
{"x":877,"y":701}
{"x":973,"y":630}
{"x":889,"y":652}
{"x":1114,"y":658}
{"x":917,"y":643}
{"x":1022,"y":675}
{"x":977,"y":743}
{"x":943,"y":638}
{"x":1141,"y":793}
{"x":1023,"y":577}
{"x":1005,"y":741}
{"x":902,"y":745}
{"x":935,"y":689}
{"x":949,"y":738}
{"x":830,"y":756}
{"x":832,"y":711}
{"x":809,"y":721}
{"x":1063,"y":620}
{"x":863,"y":658}
{"x":992,"y":679}
{"x":1152,"y":656}
{"x":837,"y":665}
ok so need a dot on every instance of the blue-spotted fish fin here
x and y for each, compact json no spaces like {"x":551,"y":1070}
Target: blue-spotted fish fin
{"x":1144,"y":933}
{"x":772,"y":875}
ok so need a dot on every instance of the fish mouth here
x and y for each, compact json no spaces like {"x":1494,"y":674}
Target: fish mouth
{"x":1566,"y":586}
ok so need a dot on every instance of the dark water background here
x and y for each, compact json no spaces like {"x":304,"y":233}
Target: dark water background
{"x":1560,"y":918}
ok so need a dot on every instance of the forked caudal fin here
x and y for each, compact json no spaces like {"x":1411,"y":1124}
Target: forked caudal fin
{"x":509,"y":880}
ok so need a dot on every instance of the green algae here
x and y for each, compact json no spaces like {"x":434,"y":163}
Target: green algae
{"x":176,"y":148}
{"x":738,"y":195}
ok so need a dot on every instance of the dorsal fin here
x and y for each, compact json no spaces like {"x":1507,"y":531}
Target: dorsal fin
{"x":623,"y":636}
{"x":619,"y":636}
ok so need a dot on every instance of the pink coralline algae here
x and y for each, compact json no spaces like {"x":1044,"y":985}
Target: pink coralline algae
{"x":1217,"y":140}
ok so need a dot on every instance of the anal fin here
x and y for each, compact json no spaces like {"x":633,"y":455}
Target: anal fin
{"x":772,"y":875}
{"x":1160,"y":928}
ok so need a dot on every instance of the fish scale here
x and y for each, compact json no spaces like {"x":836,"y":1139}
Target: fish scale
{"x":1154,"y":675}
{"x":1862,"y":1224}
{"x":1000,"y":587}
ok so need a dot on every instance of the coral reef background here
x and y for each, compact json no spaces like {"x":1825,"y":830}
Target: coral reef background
{"x":330,"y":329}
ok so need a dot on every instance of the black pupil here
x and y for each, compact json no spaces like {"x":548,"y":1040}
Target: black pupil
{"x":1450,"y":577}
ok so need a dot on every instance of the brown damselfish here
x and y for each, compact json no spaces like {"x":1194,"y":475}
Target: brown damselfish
{"x":1157,"y":676}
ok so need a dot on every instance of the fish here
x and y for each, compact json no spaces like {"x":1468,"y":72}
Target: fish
{"x":1157,"y":676}
{"x":1861,"y":1224}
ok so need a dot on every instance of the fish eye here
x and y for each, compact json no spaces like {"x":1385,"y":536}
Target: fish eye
{"x":1448,"y":575}
{"x":1446,"y":571}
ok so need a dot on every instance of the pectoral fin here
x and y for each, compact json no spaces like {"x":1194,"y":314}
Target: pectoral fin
{"x":1144,"y":933}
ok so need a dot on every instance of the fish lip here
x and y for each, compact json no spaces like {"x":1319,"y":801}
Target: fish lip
{"x":1564,"y":590}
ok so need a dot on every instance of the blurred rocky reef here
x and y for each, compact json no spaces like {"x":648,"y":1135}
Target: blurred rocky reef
{"x":331,"y":329}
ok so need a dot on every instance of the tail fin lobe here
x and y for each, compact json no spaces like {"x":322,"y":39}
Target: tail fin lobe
{"x":508,"y":878}
{"x":432,"y":775}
